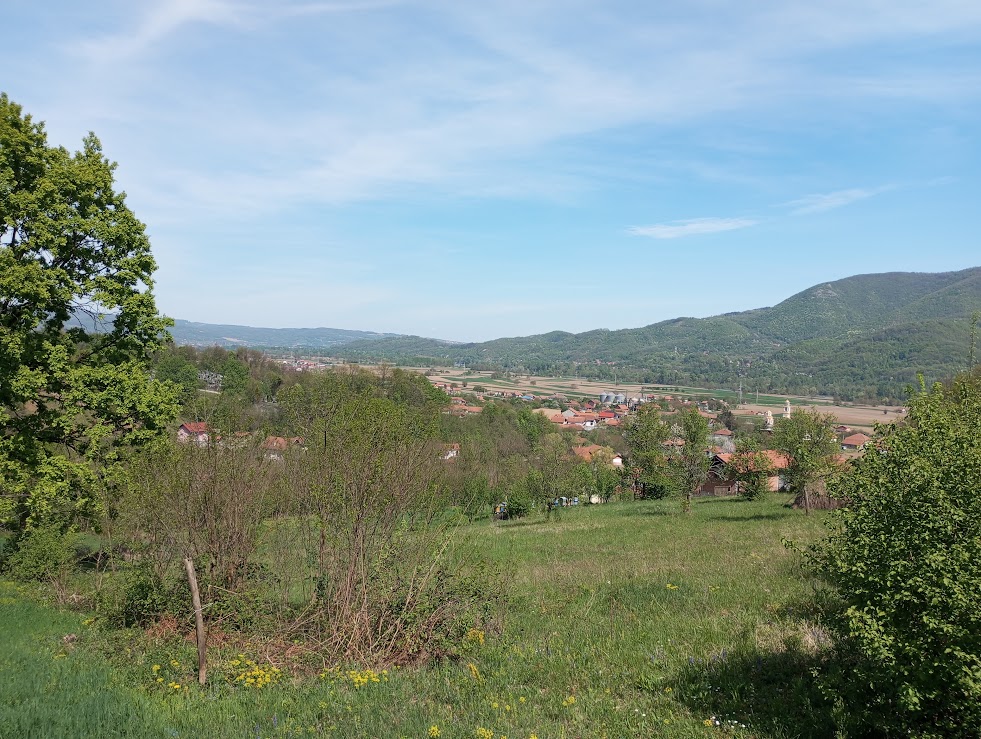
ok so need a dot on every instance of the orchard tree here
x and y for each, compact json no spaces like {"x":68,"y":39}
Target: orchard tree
{"x":77,"y":326}
{"x":690,"y":465}
{"x":808,"y":442}
{"x":646,"y":433}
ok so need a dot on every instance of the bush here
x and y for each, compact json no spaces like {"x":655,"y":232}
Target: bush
{"x":519,"y":503}
{"x":904,"y":557}
{"x":134,"y":597}
{"x":44,"y":554}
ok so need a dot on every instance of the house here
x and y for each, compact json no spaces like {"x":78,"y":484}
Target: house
{"x":721,"y":482}
{"x":275,"y":446}
{"x":722,"y":438}
{"x":586,"y":453}
{"x":549,"y":413}
{"x":855,"y":441}
{"x":194,"y":432}
{"x":449,"y":452}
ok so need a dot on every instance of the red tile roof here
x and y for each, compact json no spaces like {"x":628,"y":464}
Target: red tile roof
{"x":195,"y":427}
{"x":777,"y":460}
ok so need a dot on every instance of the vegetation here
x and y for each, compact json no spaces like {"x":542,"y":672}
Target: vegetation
{"x":329,"y":534}
{"x":627,"y":619}
{"x":904,"y":558}
{"x":807,"y":441}
{"x":860,"y":338}
{"x":72,"y":400}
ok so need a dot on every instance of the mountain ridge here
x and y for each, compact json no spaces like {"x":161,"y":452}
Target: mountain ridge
{"x":839,"y":329}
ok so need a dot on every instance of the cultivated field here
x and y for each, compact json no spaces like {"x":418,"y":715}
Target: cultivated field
{"x":858,"y":416}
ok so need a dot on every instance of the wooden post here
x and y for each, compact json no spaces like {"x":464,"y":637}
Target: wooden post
{"x":192,"y":580}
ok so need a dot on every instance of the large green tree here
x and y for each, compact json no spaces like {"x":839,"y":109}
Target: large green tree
{"x":77,"y":325}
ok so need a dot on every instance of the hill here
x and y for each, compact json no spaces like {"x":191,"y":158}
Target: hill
{"x":862,"y":337}
{"x":209,"y":334}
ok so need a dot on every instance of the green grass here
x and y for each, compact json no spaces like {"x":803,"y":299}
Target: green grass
{"x":652,"y":621}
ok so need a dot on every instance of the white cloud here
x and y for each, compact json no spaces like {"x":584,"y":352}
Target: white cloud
{"x":693,"y":227}
{"x":821,"y":202}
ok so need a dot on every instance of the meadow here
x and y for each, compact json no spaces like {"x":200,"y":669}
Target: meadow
{"x":626,"y":619}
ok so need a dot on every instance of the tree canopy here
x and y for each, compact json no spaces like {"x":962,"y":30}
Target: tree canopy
{"x":77,"y":324}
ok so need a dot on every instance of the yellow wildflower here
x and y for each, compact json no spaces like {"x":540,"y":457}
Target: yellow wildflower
{"x":433,"y":731}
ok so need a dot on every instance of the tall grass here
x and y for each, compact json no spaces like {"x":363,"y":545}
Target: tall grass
{"x":625,"y":620}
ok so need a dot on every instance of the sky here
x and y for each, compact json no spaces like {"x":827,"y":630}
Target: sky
{"x":467,"y":170}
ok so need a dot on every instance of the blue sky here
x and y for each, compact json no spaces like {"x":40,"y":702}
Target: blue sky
{"x":473,"y":170}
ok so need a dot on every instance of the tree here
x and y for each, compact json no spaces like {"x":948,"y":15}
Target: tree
{"x":904,"y":557}
{"x":751,"y":468}
{"x":176,"y":368}
{"x":690,"y":466}
{"x":646,"y":434}
{"x":77,"y":326}
{"x":807,"y":440}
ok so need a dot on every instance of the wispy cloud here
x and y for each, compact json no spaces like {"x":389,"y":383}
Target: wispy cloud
{"x":821,"y":202}
{"x":693,"y":227}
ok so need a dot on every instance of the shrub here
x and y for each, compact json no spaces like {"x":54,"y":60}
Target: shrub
{"x":519,"y":503}
{"x":134,"y":597}
{"x":904,"y":557}
{"x":43,"y":553}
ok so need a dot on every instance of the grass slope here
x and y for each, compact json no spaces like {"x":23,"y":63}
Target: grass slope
{"x":626,"y":620}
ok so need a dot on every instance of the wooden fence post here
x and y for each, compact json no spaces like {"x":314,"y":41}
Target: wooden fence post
{"x":192,"y":580}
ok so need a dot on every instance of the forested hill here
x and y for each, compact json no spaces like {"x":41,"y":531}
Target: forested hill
{"x":865,"y":336}
{"x":210,"y":334}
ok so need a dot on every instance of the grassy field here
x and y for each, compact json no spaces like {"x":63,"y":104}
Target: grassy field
{"x":626,"y":620}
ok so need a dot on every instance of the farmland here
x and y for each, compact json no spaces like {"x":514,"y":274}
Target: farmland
{"x":852,"y":414}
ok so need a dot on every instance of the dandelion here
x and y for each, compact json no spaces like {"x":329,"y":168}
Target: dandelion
{"x":433,"y":731}
{"x":155,"y":668}
{"x":667,"y":690}
{"x":482,"y":733}
{"x":521,"y":699}
{"x":494,"y":705}
{"x":671,"y":586}
{"x":569,"y":701}
{"x":175,"y":664}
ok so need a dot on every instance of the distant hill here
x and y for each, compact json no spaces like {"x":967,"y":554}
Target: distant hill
{"x":210,"y":334}
{"x":862,"y":337}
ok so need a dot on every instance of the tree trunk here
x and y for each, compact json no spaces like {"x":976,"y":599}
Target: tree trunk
{"x":192,"y":581}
